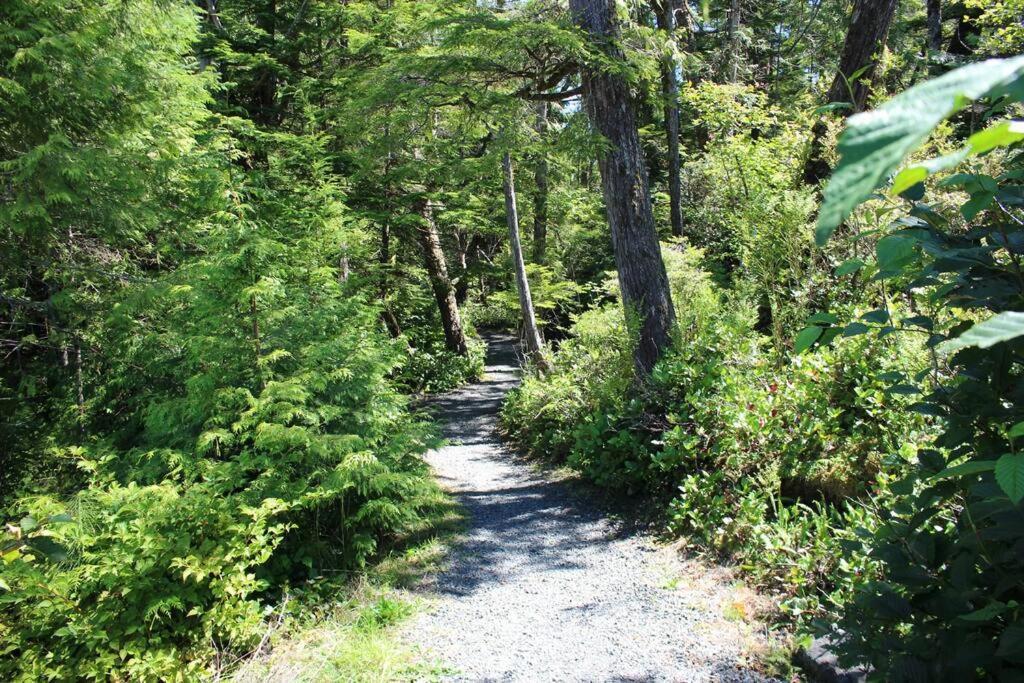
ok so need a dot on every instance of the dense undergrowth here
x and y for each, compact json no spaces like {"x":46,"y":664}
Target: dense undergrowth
{"x":204,"y":410}
{"x":855,"y":477}
{"x":770,"y":460}
{"x":237,"y":237}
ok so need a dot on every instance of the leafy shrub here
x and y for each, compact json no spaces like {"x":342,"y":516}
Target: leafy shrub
{"x":756,"y":456}
{"x":945,"y":600}
{"x":430,"y":367}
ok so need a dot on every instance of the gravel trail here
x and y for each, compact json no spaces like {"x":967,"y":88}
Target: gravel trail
{"x":544,"y":587}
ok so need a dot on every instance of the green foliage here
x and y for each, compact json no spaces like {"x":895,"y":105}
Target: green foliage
{"x":228,"y":410}
{"x":765,"y":458}
{"x":875,"y":142}
{"x":211,"y":214}
{"x":940,"y":604}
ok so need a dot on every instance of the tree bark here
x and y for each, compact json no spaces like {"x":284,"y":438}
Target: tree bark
{"x":533,"y":342}
{"x":440,"y":283}
{"x":934,"y":8}
{"x":462,"y":281}
{"x":642,"y":277}
{"x":734,"y":39}
{"x":666,"y":15}
{"x":386,"y":314}
{"x":869,"y":27}
{"x":540,"y":195}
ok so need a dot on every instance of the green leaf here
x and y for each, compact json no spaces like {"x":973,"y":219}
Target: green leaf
{"x":969,"y":468}
{"x":823,"y":318}
{"x":849,"y":266}
{"x":907,"y":178}
{"x":875,"y":142}
{"x":999,"y":328}
{"x":879,"y":315}
{"x":28,"y":524}
{"x":895,"y":251}
{"x":1016,"y":430}
{"x":1010,"y":475}
{"x":918,"y":321}
{"x":53,"y":551}
{"x":1001,"y":134}
{"x":806,"y":338}
{"x":855,"y":328}
{"x":986,"y":613}
{"x":976,"y":204}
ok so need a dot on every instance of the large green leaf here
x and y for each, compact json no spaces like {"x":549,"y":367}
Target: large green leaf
{"x":806,"y":338}
{"x":875,"y":142}
{"x":1010,"y":475}
{"x":966,"y":469}
{"x":999,"y":328}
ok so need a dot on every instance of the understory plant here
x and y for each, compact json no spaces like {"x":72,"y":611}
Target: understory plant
{"x":945,"y":601}
{"x":769,"y":459}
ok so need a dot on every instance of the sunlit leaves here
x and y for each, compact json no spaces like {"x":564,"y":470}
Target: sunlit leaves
{"x":875,"y":142}
{"x":999,"y":328}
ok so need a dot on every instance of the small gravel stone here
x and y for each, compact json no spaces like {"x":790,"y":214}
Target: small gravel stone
{"x":543,"y":586}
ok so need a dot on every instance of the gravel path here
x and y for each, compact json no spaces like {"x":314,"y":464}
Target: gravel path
{"x":544,"y":587}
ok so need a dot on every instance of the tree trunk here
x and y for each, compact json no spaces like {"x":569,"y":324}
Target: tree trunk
{"x":390,"y":321}
{"x":540,"y":195}
{"x":934,"y":25}
{"x":869,"y":27}
{"x":734,"y":39}
{"x":462,"y":281}
{"x":533,"y":343}
{"x":642,"y":278}
{"x":79,"y":387}
{"x":343,"y":265}
{"x":440,"y":283}
{"x":666,"y":13}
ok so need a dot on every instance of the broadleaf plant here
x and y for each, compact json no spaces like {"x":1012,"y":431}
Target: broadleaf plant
{"x":875,"y":142}
{"x":949,"y":543}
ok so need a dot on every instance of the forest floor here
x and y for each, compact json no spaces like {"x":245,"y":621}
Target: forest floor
{"x":544,"y":584}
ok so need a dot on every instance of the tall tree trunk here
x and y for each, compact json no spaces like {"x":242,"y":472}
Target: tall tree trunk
{"x":642,"y":277}
{"x":79,"y":387}
{"x":934,"y":25}
{"x":540,"y":194}
{"x":343,"y":265}
{"x":965,"y":30}
{"x":869,"y":27}
{"x":666,"y":13}
{"x":390,"y":320}
{"x":440,"y":283}
{"x":533,"y":342}
{"x":734,"y":40}
{"x":462,"y":281}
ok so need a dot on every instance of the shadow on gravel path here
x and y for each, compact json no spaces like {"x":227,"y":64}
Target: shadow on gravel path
{"x":543,"y":586}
